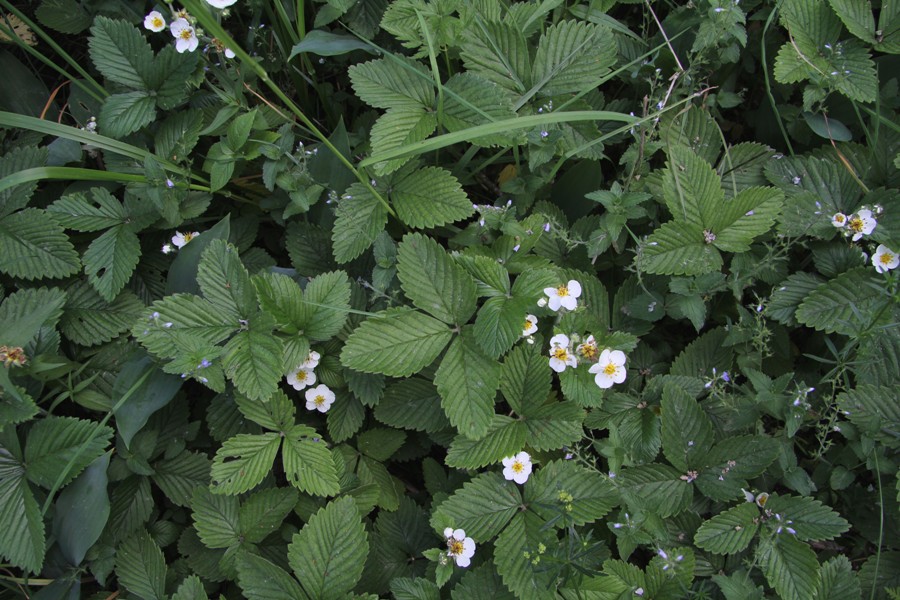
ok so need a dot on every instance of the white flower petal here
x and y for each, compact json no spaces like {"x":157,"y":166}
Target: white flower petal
{"x":574,"y":288}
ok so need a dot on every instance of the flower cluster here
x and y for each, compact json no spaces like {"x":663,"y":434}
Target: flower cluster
{"x":608,"y":369}
{"x":318,"y":398}
{"x":179,"y":241}
{"x":183,"y":30}
{"x":858,"y":224}
{"x":459,"y":547}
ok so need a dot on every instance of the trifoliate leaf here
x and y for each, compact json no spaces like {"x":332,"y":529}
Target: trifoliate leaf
{"x":433,"y":282}
{"x":730,"y":531}
{"x":398,"y":342}
{"x":679,"y":249}
{"x":243,"y":461}
{"x":329,"y":553}
{"x":79,"y":212}
{"x":499,"y":53}
{"x":360,"y":218}
{"x":467,"y":381}
{"x":33,"y":246}
{"x":429,"y":197}
{"x":111,"y":259}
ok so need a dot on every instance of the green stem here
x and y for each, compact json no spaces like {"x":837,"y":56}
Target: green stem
{"x":765,"y":70}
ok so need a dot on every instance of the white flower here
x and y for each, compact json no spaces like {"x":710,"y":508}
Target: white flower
{"x":154,"y":21}
{"x":530,"y":325}
{"x":560,"y":356}
{"x":564,"y":295}
{"x":312,"y":361}
{"x":885,"y":259}
{"x":229,"y":53}
{"x":517,"y":468}
{"x":167,"y":249}
{"x":181,"y":239}
{"x":609,"y":369}
{"x":319,"y":398}
{"x":862,"y":223}
{"x":185,"y":37}
{"x":301,"y":378}
{"x":459,"y":547}
{"x":220,"y":3}
{"x":839,"y":220}
{"x":588,"y":349}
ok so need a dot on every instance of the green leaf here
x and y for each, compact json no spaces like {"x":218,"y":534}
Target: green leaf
{"x":563,"y":486}
{"x":827,"y":128}
{"x":730,"y":531}
{"x":76,"y":211}
{"x":430,"y":197}
{"x":372,"y":472}
{"x":572,"y":56}
{"x":554,"y":425}
{"x":499,"y":53}
{"x":33,"y":246}
{"x":308,"y":464}
{"x":253,"y":360}
{"x":749,"y":214}
{"x":155,"y":392}
{"x":703,"y":355}
{"x":848,"y":304}
{"x":500,"y":323}
{"x":398,"y":128}
{"x":687,"y":433}
{"x":655,"y":488}
{"x":178,"y":134}
{"x":191,"y":589}
{"x":225,"y":282}
{"x":264,"y":511}
{"x":395,"y":82}
{"x":433,"y":282}
{"x":524,"y":381}
{"x":16,"y":406}
{"x":324,"y":43}
{"x":471,"y":101}
{"x":216,"y":518}
{"x":505,"y":437}
{"x":732,"y":462}
{"x":380,"y":443}
{"x":65,"y":16}
{"x":326,"y":302}
{"x":412,"y":404}
{"x":812,"y":520}
{"x":790,"y":566}
{"x":183,"y":270}
{"x":14,"y":161}
{"x":789,"y":294}
{"x":360,"y":218}
{"x":243,"y":461}
{"x":874,"y":409}
{"x":22,"y":542}
{"x":179,"y":476}
{"x":170,"y":75}
{"x":467,"y":381}
{"x":329,"y":553}
{"x":837,"y":580}
{"x":123,"y":114}
{"x":25,"y":312}
{"x":120,"y":52}
{"x":491,"y":278}
{"x":517,"y":555}
{"x":261,"y":580}
{"x":691,"y":188}
{"x":111,"y":259}
{"x":398,"y":342}
{"x":141,"y":567}
{"x":55,"y":442}
{"x":679,"y":249}
{"x":482,"y":507}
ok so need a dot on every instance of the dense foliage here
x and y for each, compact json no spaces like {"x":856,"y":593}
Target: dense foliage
{"x":450,"y":299}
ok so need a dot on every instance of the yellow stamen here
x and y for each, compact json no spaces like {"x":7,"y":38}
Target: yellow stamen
{"x":855,"y":225}
{"x":610,"y":369}
{"x":562,"y":291}
{"x":320,"y":400}
{"x":518,"y":467}
{"x":560,"y":353}
{"x":455,"y":546}
{"x":886,"y":258}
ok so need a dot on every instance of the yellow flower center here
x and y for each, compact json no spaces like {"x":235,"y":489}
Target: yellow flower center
{"x":610,"y":369}
{"x":856,"y":225}
{"x":527,"y":324}
{"x":157,"y":22}
{"x":319,"y":400}
{"x":562,"y":291}
{"x":186,"y":34}
{"x":301,"y":375}
{"x":188,"y":236}
{"x":455,"y":546}
{"x":560,"y":353}
{"x":518,"y":467}
{"x":886,"y":258}
{"x":589,"y":350}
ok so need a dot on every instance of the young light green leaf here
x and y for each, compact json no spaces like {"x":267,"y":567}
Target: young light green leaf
{"x":433,"y":282}
{"x":360,"y":218}
{"x":482,"y":507}
{"x":243,"y":461}
{"x":467,"y":381}
{"x":505,"y":437}
{"x":33,"y":246}
{"x":430,"y":197}
{"x":141,"y":567}
{"x":730,"y":531}
{"x":790,"y":566}
{"x":398,"y":342}
{"x":329,"y":553}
